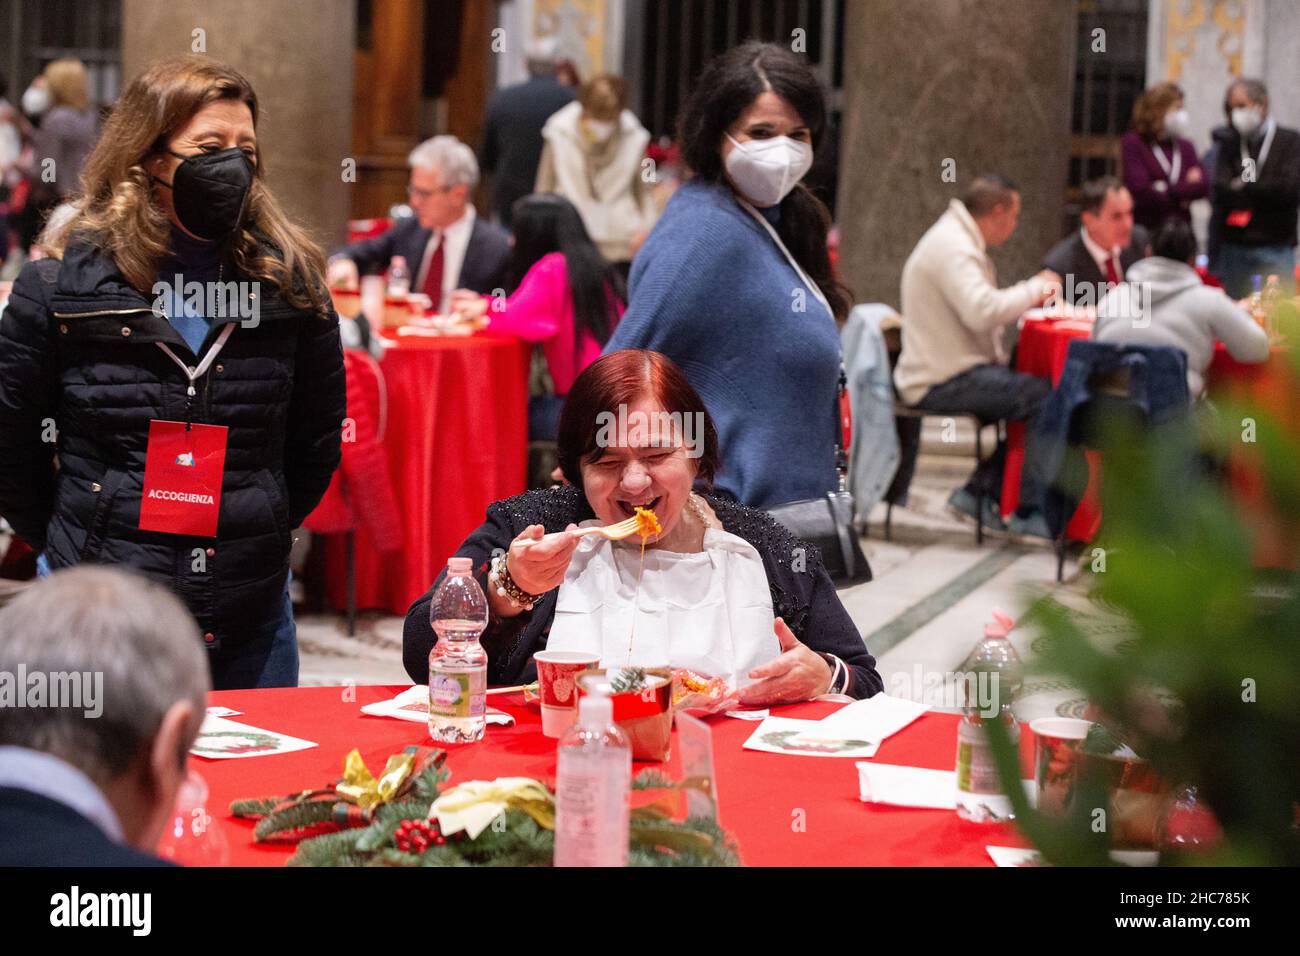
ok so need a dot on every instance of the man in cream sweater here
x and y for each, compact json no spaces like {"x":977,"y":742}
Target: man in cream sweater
{"x":953,"y":360}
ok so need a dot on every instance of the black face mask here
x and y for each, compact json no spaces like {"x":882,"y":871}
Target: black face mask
{"x":210,"y":191}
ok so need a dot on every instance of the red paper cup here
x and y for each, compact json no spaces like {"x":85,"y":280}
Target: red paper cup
{"x":1056,"y":761}
{"x":557,"y":673}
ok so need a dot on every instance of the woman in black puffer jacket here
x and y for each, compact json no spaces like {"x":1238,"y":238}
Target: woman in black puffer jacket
{"x":177,"y":253}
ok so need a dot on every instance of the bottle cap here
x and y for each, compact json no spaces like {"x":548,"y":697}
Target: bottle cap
{"x":1001,"y":624}
{"x":595,"y":710}
{"x":460,"y":565}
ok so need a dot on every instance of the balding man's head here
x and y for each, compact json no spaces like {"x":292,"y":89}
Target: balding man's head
{"x":994,"y":203}
{"x":126,"y":683}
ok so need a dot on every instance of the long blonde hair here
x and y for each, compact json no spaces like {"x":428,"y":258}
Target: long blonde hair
{"x":116,"y":209}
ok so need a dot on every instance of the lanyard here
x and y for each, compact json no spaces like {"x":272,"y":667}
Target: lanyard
{"x":807,"y":280}
{"x":1172,"y":169}
{"x":1263,"y":149}
{"x":194,"y":372}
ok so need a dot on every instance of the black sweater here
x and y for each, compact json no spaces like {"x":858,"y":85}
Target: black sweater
{"x":1272,"y":199}
{"x":804,"y":598}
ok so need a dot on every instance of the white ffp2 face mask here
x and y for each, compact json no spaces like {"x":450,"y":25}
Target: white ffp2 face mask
{"x":1247,"y":119}
{"x":36,"y":100}
{"x":1177,"y":123}
{"x":765,"y":170}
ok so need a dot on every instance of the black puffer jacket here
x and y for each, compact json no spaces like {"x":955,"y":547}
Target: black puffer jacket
{"x":78,"y":354}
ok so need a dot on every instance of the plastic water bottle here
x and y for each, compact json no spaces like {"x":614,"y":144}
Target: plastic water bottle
{"x":593,"y":789}
{"x":1269,"y":302}
{"x":1256,"y":302}
{"x":458,"y":663}
{"x":993,"y":678}
{"x":399,"y":278}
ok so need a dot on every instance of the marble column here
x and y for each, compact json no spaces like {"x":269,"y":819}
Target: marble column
{"x":299,"y":58}
{"x":935,"y":87}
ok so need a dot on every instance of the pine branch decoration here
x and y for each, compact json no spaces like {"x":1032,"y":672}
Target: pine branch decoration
{"x":519,"y":837}
{"x":296,"y":816}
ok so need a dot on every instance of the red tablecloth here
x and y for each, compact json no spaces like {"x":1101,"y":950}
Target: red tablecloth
{"x":1271,"y":387}
{"x":1042,"y":350}
{"x":760,"y":795}
{"x":457,"y":440}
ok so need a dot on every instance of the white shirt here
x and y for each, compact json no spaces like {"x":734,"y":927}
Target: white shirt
{"x":456,"y":238}
{"x":1100,"y":255}
{"x":44,"y":774}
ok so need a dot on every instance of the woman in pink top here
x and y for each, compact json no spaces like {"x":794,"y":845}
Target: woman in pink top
{"x":565,"y":297}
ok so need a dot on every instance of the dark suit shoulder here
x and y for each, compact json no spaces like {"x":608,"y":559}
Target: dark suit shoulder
{"x":488,"y":232}
{"x":1064,"y":257}
{"x":1137,"y":247}
{"x":38,"y":831}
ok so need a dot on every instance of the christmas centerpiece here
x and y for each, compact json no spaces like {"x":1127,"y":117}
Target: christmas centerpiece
{"x":407,"y":816}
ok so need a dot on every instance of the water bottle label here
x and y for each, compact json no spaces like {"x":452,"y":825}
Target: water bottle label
{"x":450,"y":696}
{"x":976,"y":771}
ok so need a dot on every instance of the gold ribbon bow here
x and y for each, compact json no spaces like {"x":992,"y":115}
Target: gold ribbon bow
{"x":359,"y":785}
{"x":473,"y":805}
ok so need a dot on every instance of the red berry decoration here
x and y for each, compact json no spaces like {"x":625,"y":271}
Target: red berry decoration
{"x":415,"y":836}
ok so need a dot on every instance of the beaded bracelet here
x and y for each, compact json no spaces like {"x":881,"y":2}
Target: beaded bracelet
{"x":500,"y":577}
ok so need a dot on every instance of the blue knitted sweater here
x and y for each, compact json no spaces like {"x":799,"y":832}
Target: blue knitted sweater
{"x":712,"y":291}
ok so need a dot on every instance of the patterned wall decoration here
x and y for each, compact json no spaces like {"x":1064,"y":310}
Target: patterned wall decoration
{"x":1186,"y":20}
{"x":1230,"y":17}
{"x":1180,"y":35}
{"x":579,"y":29}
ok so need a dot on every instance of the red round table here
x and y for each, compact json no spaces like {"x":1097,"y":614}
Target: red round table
{"x":1273,"y":388}
{"x":1042,"y":350}
{"x":782,"y":810}
{"x":456,"y":441}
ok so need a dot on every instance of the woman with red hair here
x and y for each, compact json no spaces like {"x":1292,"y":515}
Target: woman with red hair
{"x":721,"y":588}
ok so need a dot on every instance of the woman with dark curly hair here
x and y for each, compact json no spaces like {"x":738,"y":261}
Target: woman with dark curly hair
{"x":721,"y":589}
{"x":171,"y":379}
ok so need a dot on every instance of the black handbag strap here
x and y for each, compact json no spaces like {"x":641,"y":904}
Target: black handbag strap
{"x":841,"y":426}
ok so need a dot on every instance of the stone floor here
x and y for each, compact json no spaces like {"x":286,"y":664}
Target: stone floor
{"x":934,"y":589}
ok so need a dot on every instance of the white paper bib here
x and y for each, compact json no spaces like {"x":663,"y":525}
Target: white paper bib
{"x":711,"y":611}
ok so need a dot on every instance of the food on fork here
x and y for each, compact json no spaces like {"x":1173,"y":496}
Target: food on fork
{"x":647,"y":522}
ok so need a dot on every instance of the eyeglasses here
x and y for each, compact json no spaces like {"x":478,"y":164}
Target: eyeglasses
{"x":419,"y":195}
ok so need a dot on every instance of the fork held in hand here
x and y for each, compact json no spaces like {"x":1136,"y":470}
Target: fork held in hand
{"x":614,"y":532}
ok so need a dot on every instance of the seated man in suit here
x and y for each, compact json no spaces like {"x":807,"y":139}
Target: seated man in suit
{"x":1096,"y":257}
{"x":113,"y":682}
{"x":446,"y":246}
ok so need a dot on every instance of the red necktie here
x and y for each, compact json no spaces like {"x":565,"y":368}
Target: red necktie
{"x":433,"y":278}
{"x":1112,"y":274}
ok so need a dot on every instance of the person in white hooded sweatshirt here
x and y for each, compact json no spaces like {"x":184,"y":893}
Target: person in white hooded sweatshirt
{"x":1164,"y":302}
